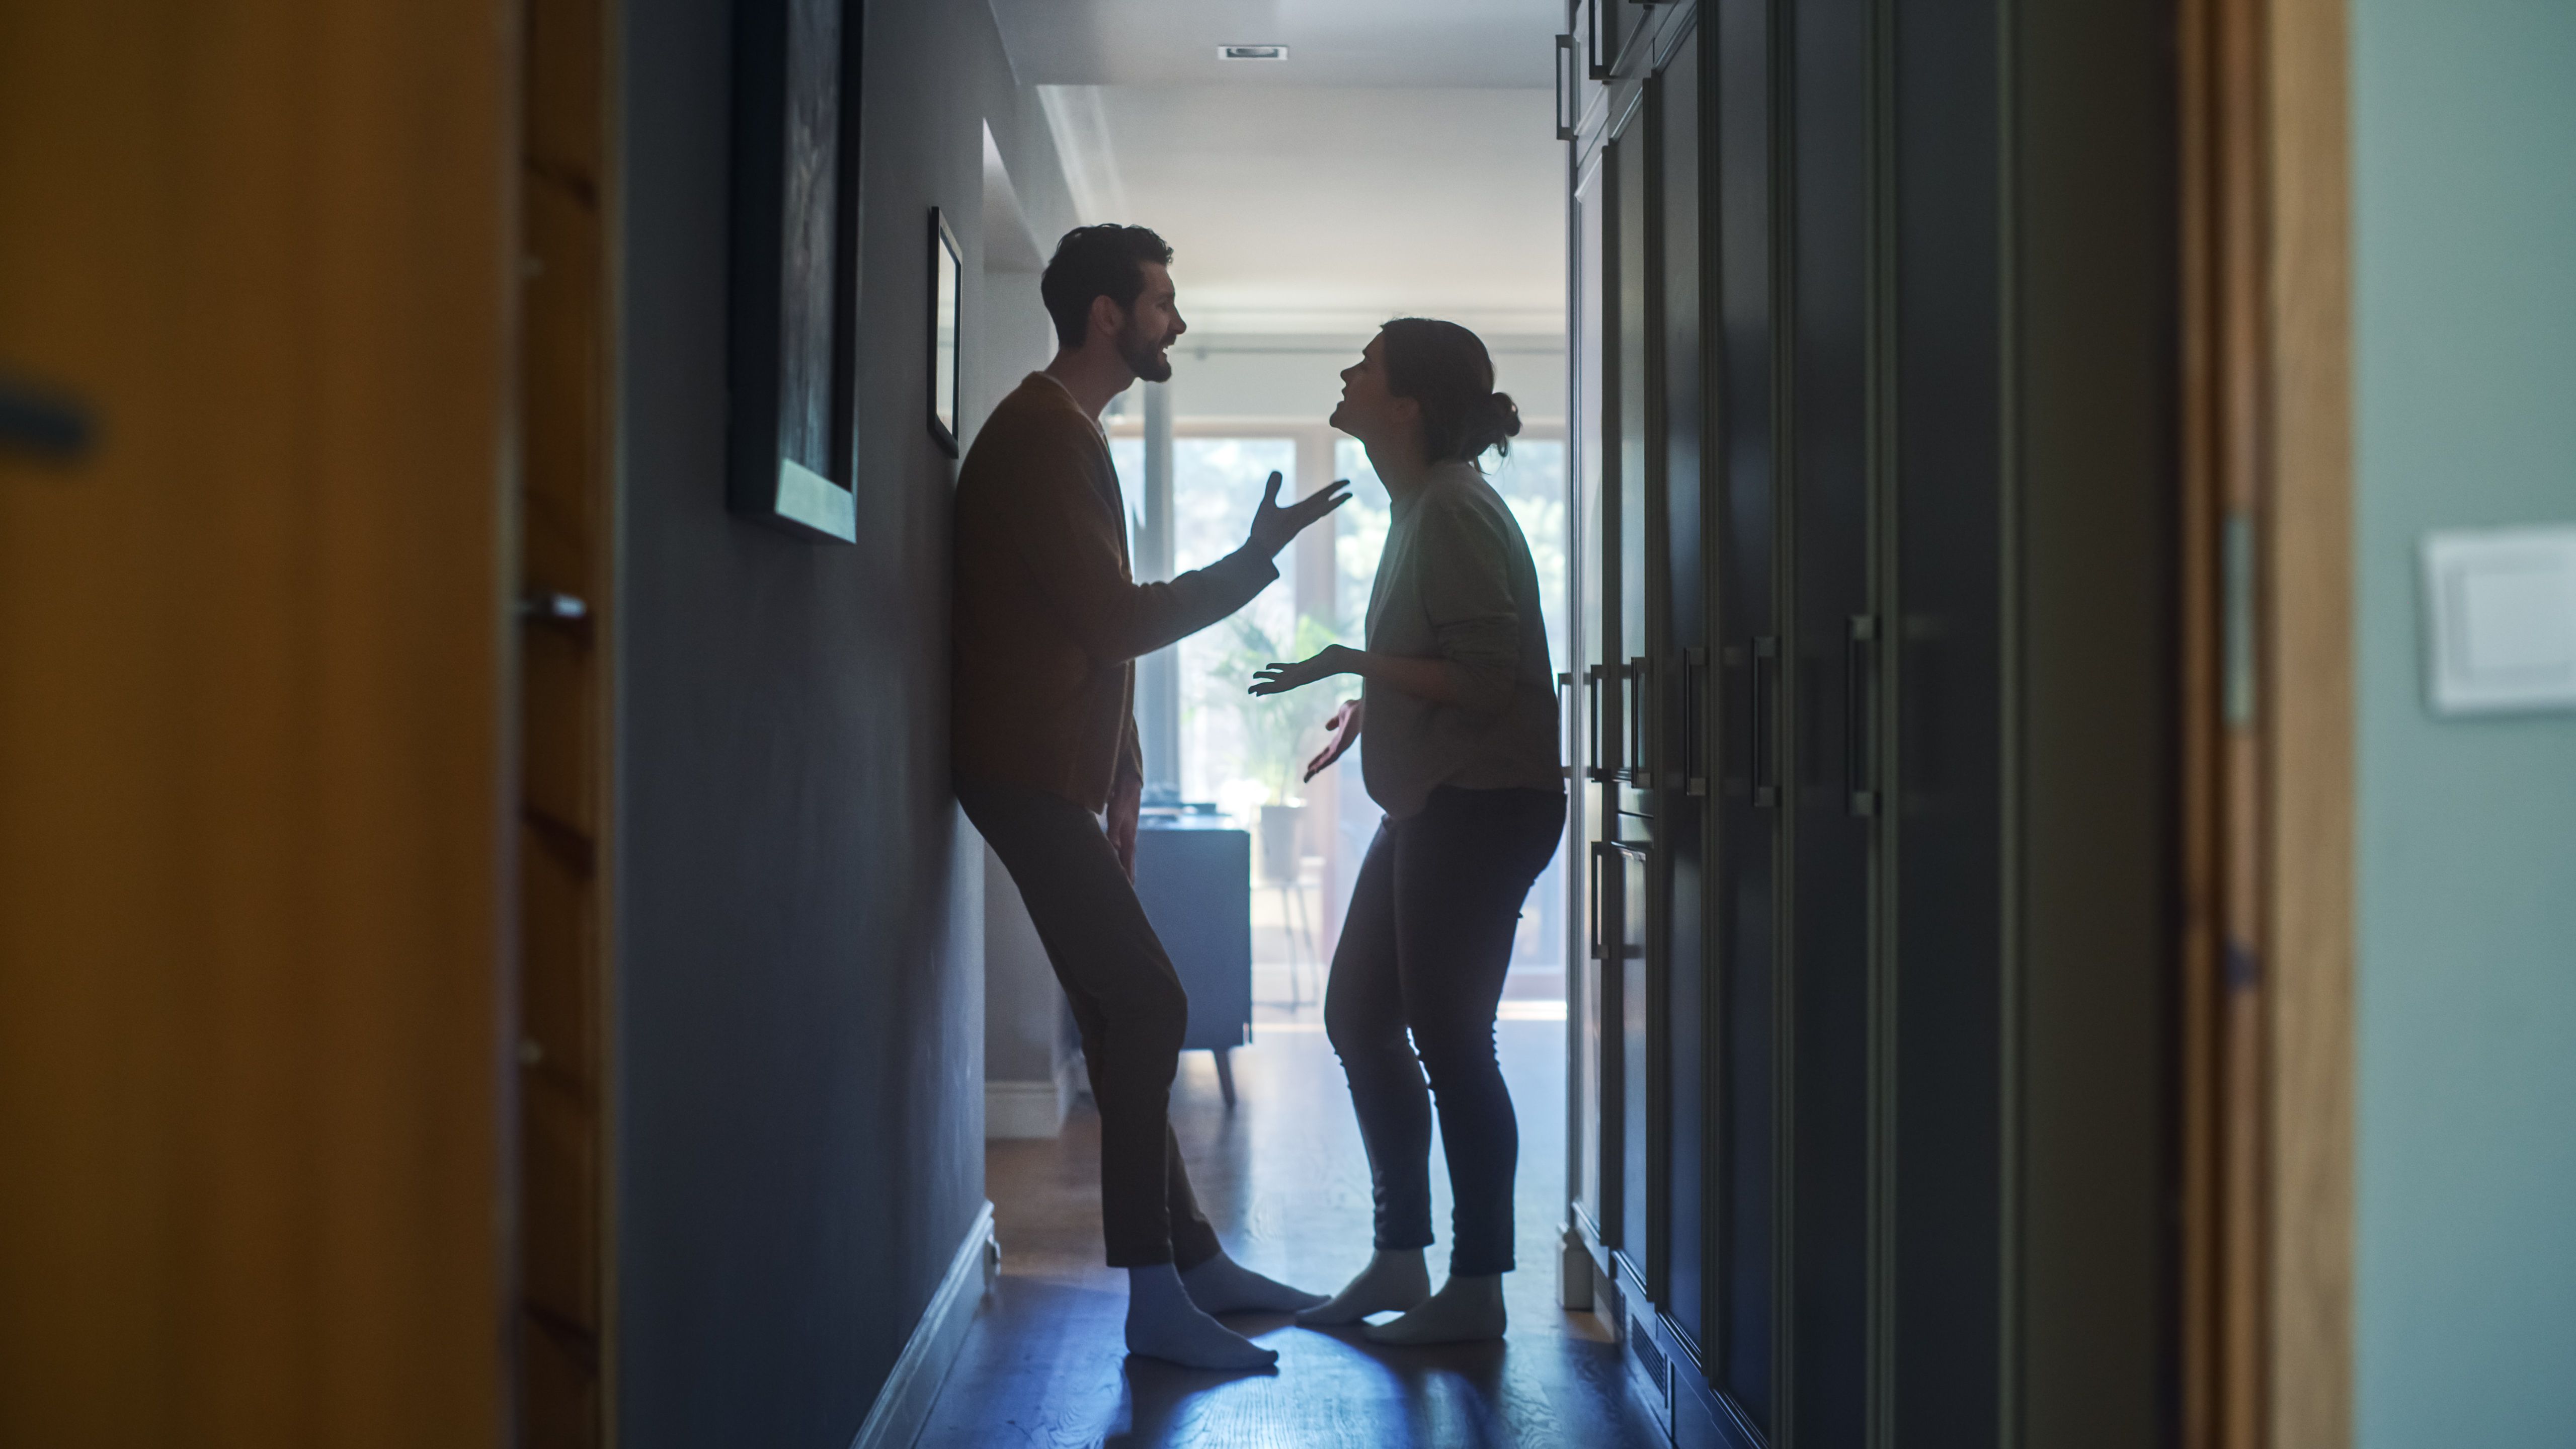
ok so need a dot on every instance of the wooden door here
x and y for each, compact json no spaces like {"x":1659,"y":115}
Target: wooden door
{"x":254,"y":678}
{"x":566,"y":569}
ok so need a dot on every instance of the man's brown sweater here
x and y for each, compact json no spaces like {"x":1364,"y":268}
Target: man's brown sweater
{"x":1048,"y":619}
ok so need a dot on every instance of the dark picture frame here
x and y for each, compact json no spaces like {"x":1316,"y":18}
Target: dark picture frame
{"x":791,"y":333}
{"x":947,"y":330}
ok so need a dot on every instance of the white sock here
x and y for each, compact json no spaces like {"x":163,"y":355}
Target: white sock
{"x":1394,"y":1280}
{"x":1163,"y":1323}
{"x":1465,"y":1310}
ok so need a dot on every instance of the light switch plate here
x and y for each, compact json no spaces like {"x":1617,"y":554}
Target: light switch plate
{"x":2500,"y":619}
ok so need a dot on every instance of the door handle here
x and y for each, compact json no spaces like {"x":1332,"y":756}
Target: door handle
{"x":55,"y":428}
{"x":1860,"y":714}
{"x":1760,"y":734}
{"x":541,"y":606}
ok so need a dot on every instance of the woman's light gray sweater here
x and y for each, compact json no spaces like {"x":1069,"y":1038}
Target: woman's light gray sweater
{"x":1456,"y":583}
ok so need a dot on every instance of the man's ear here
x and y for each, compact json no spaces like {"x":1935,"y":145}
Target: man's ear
{"x":1107,"y":317}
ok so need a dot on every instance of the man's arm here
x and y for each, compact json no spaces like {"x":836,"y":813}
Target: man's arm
{"x":1073,"y":552}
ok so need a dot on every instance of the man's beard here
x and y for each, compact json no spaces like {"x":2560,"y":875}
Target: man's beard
{"x":1144,"y":355}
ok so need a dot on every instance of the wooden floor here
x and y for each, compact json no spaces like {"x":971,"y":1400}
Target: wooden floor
{"x":1283,"y":1179}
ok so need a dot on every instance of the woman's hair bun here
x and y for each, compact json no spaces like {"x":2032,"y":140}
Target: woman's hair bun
{"x":1446,"y":368}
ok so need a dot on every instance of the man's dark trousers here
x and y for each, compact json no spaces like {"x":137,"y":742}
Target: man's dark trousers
{"x":1127,"y":1001}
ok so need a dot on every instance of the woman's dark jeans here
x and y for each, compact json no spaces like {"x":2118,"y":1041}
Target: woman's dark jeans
{"x":1424,"y":946}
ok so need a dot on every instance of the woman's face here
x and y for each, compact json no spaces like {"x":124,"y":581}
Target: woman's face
{"x":1367,"y":410}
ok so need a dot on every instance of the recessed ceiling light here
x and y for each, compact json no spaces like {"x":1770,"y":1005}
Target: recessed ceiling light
{"x":1252,"y":52}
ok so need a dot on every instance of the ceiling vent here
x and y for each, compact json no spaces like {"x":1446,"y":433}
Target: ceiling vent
{"x":1252,"y":52}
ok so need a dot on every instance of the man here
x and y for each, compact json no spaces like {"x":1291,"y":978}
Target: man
{"x":1048,"y":624}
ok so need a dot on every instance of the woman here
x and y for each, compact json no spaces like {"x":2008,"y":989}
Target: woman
{"x":1459,"y":703}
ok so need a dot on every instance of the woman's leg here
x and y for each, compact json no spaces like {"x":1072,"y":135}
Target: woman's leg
{"x":1462,"y":870}
{"x":1364,"y":1017}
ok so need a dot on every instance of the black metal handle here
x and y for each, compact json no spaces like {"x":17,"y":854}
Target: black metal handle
{"x":1592,"y":762}
{"x":1641,"y":772}
{"x":1859,"y":691}
{"x":1599,"y":907}
{"x":55,"y":428}
{"x":1564,"y":61}
{"x":1760,"y":732}
{"x":1695,"y":721}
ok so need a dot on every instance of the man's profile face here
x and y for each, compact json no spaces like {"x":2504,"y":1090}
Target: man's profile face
{"x":1153,"y":325}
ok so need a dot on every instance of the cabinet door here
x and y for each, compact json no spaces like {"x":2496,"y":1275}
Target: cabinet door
{"x":1595,"y":1067}
{"x":1681,"y":766}
{"x":1829,"y":658}
{"x":1743,"y":870}
{"x":1637,"y":540}
{"x":1627,"y":872}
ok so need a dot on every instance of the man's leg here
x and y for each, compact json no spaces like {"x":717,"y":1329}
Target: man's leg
{"x":1126,"y":998}
{"x":1133,"y":1014}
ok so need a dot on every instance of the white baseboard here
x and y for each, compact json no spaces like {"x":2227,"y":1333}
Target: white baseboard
{"x":1022,"y":1109}
{"x":1032,"y":1109}
{"x":903,"y":1405}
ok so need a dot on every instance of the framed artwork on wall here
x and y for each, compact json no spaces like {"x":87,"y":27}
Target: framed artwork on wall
{"x":947,"y":317}
{"x":794,"y":307}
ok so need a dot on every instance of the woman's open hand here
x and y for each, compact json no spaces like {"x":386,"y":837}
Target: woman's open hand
{"x":1345,"y":725}
{"x":1281,"y":678}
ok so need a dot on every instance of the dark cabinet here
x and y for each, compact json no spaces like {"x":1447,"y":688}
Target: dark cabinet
{"x":1795,"y":408}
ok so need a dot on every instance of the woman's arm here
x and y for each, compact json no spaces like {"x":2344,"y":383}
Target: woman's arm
{"x":1433,"y":679}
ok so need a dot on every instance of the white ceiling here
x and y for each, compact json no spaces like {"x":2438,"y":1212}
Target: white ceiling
{"x":1331,"y":210}
{"x":1403,"y":160}
{"x":1468,"y":43}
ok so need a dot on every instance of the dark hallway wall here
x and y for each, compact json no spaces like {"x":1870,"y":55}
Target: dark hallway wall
{"x":799,"y":993}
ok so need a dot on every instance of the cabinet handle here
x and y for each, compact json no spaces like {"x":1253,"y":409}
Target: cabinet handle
{"x":1860,"y":714}
{"x":1759,"y":728}
{"x":1564,"y":62}
{"x":1695,"y":721}
{"x":1592,"y":724}
{"x":1593,"y":899}
{"x":1641,"y":771}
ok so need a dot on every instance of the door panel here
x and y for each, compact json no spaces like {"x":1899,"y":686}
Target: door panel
{"x":254,"y":763}
{"x":1631,"y":868}
{"x":1681,"y":769}
{"x":1743,"y":870}
{"x":1829,"y":517}
{"x":1595,"y":477}
{"x":1632,"y":409}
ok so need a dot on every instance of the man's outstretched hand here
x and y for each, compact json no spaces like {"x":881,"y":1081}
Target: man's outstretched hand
{"x":1273,"y":526}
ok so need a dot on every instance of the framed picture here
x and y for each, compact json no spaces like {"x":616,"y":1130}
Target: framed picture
{"x":794,"y":308}
{"x":947,"y":314}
